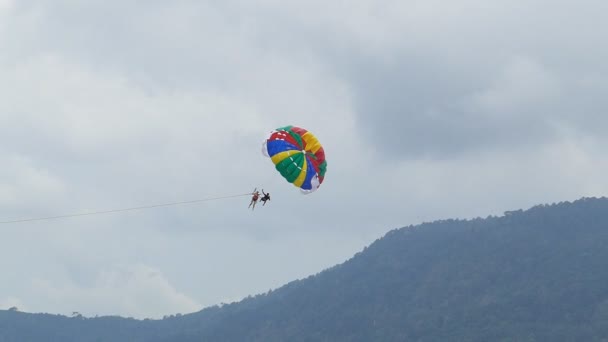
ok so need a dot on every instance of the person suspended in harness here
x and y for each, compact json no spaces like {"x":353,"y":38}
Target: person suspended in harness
{"x":265,"y":198}
{"x":254,"y":199}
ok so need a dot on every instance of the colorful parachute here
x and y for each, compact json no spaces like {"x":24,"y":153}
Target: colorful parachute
{"x":298,"y":156}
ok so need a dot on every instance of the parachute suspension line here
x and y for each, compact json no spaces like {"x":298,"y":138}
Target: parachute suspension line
{"x":124,"y":209}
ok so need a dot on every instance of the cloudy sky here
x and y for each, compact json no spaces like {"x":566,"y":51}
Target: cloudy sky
{"x":427,"y":110}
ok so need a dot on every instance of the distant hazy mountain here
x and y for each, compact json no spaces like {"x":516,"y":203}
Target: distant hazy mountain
{"x":534,"y":275}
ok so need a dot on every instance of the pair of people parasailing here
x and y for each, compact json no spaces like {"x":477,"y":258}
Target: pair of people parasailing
{"x":255,"y":196}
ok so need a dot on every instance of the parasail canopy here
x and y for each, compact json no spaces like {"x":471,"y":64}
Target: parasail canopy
{"x":298,"y":156}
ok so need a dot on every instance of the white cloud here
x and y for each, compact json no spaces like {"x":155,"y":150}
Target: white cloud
{"x":523,"y":88}
{"x":493,"y":182}
{"x":20,"y":177}
{"x":133,"y":291}
{"x":12,"y":302}
{"x":5,"y":5}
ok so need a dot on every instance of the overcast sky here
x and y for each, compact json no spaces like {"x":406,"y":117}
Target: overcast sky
{"x":426,"y":109}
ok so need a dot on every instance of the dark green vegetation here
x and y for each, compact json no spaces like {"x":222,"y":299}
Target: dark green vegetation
{"x":535,"y":275}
